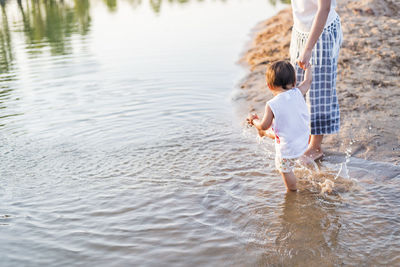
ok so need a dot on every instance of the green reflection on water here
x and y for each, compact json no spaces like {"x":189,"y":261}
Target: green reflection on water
{"x":274,"y":2}
{"x":51,"y":23}
{"x":44,"y":23}
{"x":111,"y":4}
{"x":6,"y":53}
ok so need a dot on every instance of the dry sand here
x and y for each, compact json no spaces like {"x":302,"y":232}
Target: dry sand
{"x":368,"y":76}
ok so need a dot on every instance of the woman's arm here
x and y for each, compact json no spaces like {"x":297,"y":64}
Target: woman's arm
{"x":324,"y":7}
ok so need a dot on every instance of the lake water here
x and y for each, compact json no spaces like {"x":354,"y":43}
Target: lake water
{"x":121,"y":145}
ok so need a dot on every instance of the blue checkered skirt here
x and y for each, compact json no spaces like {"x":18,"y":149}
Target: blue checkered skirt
{"x":321,"y":98}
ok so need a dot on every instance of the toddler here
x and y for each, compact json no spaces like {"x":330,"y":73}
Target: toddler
{"x":287,"y":115}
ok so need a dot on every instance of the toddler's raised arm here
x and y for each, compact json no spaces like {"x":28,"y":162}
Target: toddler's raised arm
{"x":306,"y":83}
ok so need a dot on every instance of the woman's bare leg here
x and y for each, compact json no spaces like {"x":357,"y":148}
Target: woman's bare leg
{"x":314,"y":150}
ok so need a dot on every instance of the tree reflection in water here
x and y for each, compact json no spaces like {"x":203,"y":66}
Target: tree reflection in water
{"x":274,"y":2}
{"x":51,"y":23}
{"x":6,"y":54}
{"x":44,"y":24}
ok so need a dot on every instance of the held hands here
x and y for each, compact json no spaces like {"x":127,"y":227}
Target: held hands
{"x":305,"y":85}
{"x":304,"y":59}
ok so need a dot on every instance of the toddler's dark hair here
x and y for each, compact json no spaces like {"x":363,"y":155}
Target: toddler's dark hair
{"x":281,"y":74}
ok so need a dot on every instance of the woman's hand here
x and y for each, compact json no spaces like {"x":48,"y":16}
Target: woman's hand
{"x":324,"y":7}
{"x":304,"y":59}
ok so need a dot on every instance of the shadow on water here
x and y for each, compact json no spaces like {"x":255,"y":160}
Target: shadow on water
{"x":309,"y":230}
{"x":303,"y":229}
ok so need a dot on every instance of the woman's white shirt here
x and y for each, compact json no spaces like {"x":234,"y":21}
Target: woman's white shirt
{"x":304,"y":12}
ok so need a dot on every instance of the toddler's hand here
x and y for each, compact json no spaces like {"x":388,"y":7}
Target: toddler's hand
{"x":251,"y":118}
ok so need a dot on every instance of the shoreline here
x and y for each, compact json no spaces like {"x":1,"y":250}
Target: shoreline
{"x":368,"y":83}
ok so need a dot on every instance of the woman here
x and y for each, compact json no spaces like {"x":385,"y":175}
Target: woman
{"x":316,"y":37}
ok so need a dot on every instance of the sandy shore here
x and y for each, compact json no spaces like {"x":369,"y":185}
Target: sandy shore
{"x":368,"y":76}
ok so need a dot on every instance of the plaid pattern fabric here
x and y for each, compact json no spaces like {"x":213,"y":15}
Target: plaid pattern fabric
{"x":322,"y":98}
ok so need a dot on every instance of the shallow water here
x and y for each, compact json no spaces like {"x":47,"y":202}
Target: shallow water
{"x":121,"y":144}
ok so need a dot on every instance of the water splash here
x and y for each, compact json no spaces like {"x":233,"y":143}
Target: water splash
{"x":322,"y":179}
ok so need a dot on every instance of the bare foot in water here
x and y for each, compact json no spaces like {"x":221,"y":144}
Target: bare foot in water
{"x":314,"y":150}
{"x":314,"y":153}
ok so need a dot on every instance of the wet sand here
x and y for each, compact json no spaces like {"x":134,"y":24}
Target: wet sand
{"x":368,"y":76}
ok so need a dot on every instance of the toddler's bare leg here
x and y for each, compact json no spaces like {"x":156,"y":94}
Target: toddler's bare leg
{"x":290,"y":180}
